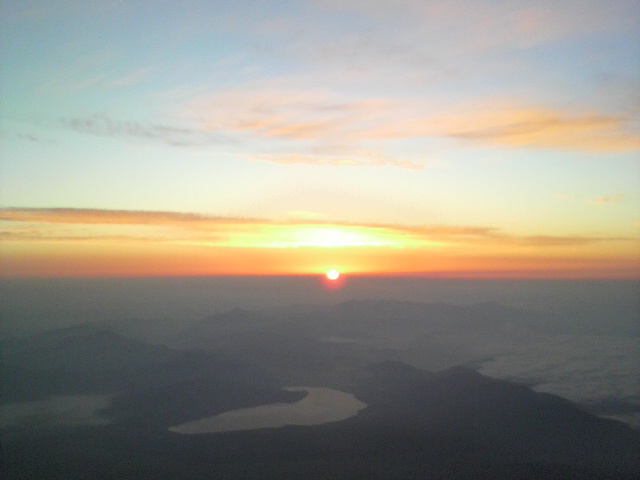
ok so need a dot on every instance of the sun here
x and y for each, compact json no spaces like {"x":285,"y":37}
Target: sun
{"x":332,"y":280}
{"x":333,"y":274}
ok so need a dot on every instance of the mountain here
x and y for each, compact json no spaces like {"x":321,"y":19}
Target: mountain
{"x":502,"y":422}
{"x":366,"y":319}
{"x":147,"y":383}
{"x":323,"y":344}
{"x":451,"y":423}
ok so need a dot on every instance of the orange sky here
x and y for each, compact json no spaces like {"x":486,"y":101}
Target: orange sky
{"x":434,"y":137}
{"x":77,"y":243}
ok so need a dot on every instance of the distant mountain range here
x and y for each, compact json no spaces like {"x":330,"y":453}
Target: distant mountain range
{"x":453,"y":423}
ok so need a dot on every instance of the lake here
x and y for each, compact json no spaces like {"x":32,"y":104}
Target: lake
{"x":321,"y":405}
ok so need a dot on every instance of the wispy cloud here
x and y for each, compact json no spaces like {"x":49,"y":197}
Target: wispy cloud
{"x":307,"y":115}
{"x":545,"y":128}
{"x":30,"y":224}
{"x":104,"y":125}
{"x":31,"y":137}
{"x":565,"y":241}
{"x":110,"y":217}
{"x":606,"y":200}
{"x":313,"y":117}
{"x":68,"y":242}
{"x":477,"y":26}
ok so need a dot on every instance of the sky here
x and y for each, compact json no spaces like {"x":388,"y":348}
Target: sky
{"x":446,"y":138}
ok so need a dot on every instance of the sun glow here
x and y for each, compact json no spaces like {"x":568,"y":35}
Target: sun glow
{"x":333,"y":280}
{"x":333,"y":274}
{"x":79,"y":243}
{"x":332,"y":236}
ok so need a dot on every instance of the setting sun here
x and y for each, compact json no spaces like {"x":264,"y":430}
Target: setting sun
{"x":293,"y":169}
{"x":333,"y":274}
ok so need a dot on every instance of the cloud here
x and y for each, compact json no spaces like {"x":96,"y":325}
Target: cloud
{"x":110,"y":217}
{"x":78,"y":237}
{"x":275,"y":112}
{"x":68,"y":242}
{"x":67,"y":224}
{"x":548,"y":129}
{"x":588,"y":369}
{"x":606,"y":200}
{"x":309,"y":118}
{"x":30,"y":137}
{"x":319,"y":128}
{"x":103,"y":125}
{"x":565,"y":241}
{"x":497,"y":24}
{"x":521,"y":128}
{"x":188,"y":228}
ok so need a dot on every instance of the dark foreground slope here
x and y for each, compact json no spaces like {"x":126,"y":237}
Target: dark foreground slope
{"x":452,"y":424}
{"x":148,"y":385}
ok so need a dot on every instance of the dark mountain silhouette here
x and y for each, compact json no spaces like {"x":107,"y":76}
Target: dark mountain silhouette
{"x":88,"y":360}
{"x":365,"y":318}
{"x":323,"y":344}
{"x":454,"y":423}
{"x":504,"y":421}
{"x":237,"y":318}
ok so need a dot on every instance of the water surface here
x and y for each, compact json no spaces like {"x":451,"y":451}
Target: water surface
{"x":321,"y":405}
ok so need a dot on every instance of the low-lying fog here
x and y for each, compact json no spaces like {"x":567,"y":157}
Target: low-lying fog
{"x":576,"y":339}
{"x":56,"y":411}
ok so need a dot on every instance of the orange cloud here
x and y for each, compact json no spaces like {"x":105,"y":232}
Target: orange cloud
{"x":312,"y":117}
{"x":522,"y":127}
{"x":244,"y":232}
{"x":539,"y":128}
{"x":59,"y":242}
{"x":111,"y":217}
